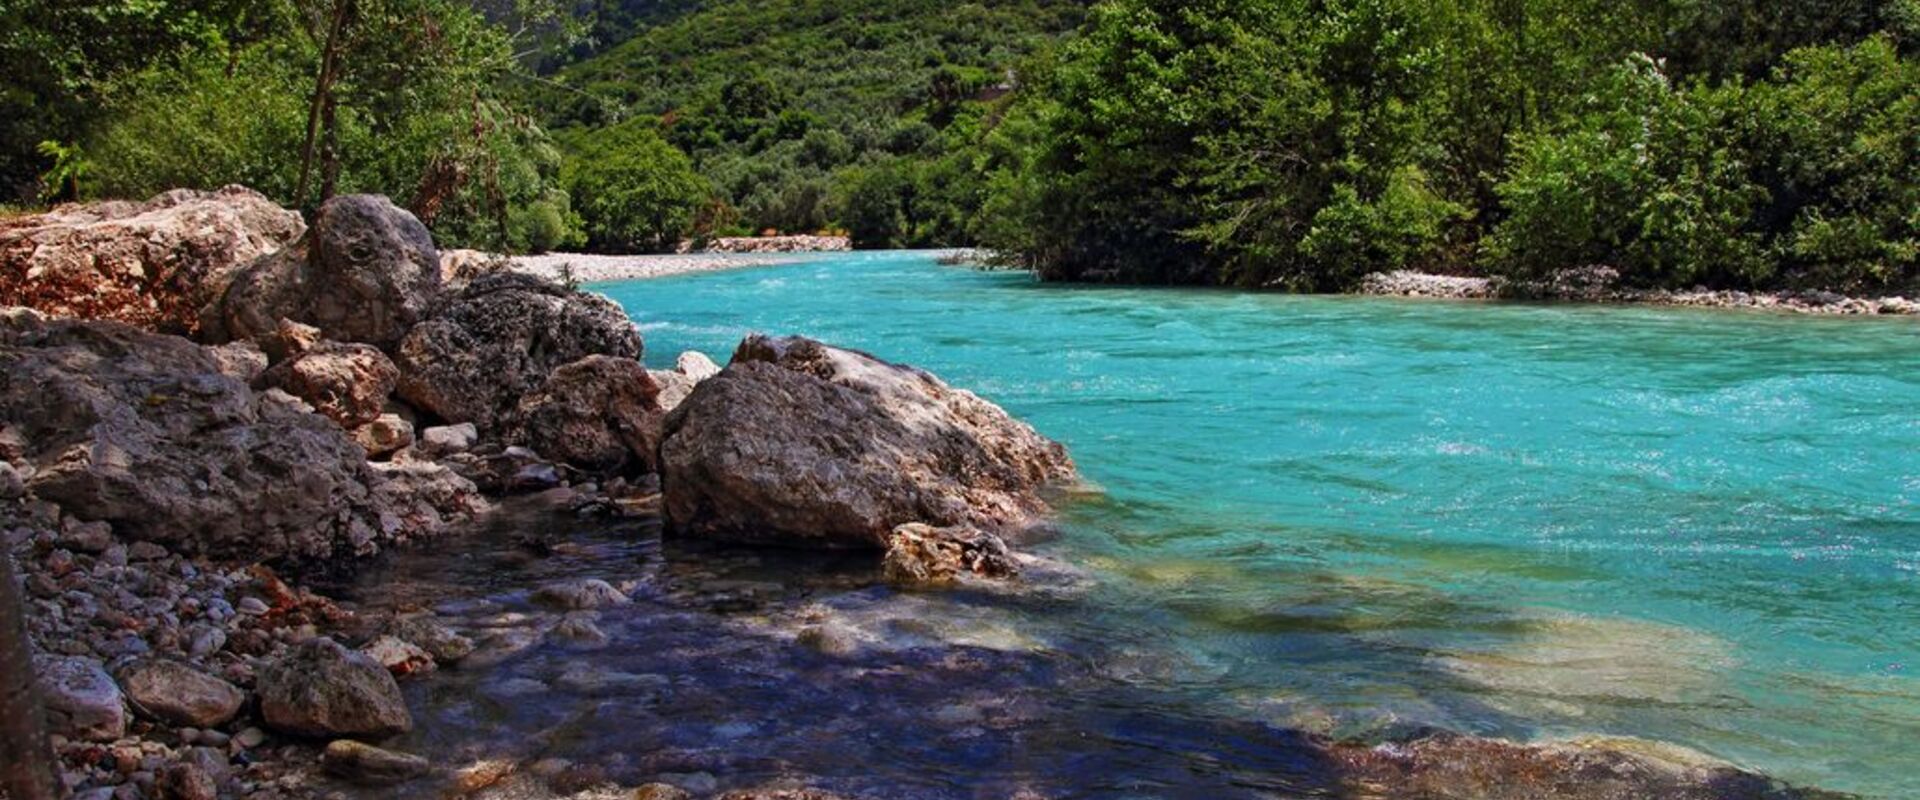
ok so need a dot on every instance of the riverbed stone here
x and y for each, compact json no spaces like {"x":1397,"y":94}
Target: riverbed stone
{"x":82,"y":700}
{"x":447,"y":440}
{"x":364,"y":763}
{"x":919,"y":554}
{"x":178,"y":694}
{"x":321,"y":689}
{"x":800,"y":443}
{"x":399,"y":656}
{"x":580,"y":594}
{"x":428,"y":633}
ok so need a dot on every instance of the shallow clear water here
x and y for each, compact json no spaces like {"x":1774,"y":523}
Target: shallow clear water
{"x":1356,"y":515}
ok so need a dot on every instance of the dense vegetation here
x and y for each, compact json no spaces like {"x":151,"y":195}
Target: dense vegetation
{"x":1287,"y":143}
{"x":1302,"y":144}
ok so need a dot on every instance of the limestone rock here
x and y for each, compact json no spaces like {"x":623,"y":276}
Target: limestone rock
{"x":796,"y":442}
{"x":321,"y":689}
{"x":446,"y":440}
{"x":146,"y":432}
{"x":400,"y":657}
{"x":676,"y":384}
{"x":178,"y":694}
{"x":498,"y":340}
{"x":349,"y":383}
{"x":427,"y":633}
{"x":385,"y":435}
{"x":365,"y":273}
{"x":82,"y":701}
{"x":922,"y":554}
{"x":417,"y":499}
{"x":151,"y":264}
{"x":599,"y":414}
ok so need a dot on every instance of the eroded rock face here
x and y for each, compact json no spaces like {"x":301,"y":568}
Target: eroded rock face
{"x":321,"y":689}
{"x":349,"y":383}
{"x":498,"y":340}
{"x":920,"y":554}
{"x":152,"y":264}
{"x":600,"y":414}
{"x":800,"y":443}
{"x":147,"y":432}
{"x":178,"y":694}
{"x":365,"y":273}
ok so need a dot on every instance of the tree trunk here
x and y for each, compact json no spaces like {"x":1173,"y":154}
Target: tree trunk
{"x":322,"y":92}
{"x":28,"y":770}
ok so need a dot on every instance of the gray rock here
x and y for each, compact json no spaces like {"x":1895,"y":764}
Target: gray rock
{"x":696,"y":366}
{"x":144,"y":431}
{"x":429,"y":634}
{"x":399,"y":656}
{"x":364,"y":763}
{"x":498,"y":340}
{"x":366,"y":273}
{"x":796,"y":442}
{"x":151,"y":264}
{"x":575,"y":595}
{"x":321,"y":689}
{"x":447,"y":440}
{"x":177,"y":694}
{"x":600,"y":414}
{"x":82,"y":701}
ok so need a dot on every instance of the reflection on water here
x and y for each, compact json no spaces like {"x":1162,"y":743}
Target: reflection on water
{"x":1358,"y":516}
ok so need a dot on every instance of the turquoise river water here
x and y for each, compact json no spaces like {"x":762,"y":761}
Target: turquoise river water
{"x":1355,"y":514}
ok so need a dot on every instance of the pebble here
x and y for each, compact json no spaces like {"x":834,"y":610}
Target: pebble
{"x":254,"y":606}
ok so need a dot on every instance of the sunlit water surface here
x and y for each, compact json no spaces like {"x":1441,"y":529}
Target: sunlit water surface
{"x":1351,"y":516}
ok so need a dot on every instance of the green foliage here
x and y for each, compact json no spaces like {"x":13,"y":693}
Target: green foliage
{"x":633,"y":189}
{"x":1304,"y":143}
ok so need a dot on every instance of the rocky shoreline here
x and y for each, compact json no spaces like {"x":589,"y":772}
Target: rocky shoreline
{"x":195,"y":418}
{"x":1601,"y":285}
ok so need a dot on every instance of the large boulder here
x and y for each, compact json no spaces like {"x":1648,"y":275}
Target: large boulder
{"x":600,"y":414}
{"x":151,"y":264}
{"x":349,"y":383}
{"x":498,"y":340}
{"x":365,"y":273}
{"x":146,"y":432}
{"x":321,"y":689}
{"x":797,"y":442}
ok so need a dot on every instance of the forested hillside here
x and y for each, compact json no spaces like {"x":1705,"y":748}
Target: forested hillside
{"x":810,"y":114}
{"x":1297,"y":144}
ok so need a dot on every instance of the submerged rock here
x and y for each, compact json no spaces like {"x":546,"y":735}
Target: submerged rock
{"x":1456,"y":767}
{"x":600,"y":414}
{"x":423,"y":631}
{"x":178,"y":694}
{"x":321,"y":689}
{"x":498,"y":340}
{"x":797,"y":442}
{"x":922,"y":554}
{"x":578,"y":595}
{"x":366,"y":273}
{"x":365,"y":763}
{"x":152,"y":264}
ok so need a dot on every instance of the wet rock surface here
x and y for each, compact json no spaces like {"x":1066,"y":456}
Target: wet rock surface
{"x":152,"y":264}
{"x":797,"y":442}
{"x":365,"y":273}
{"x":498,"y":340}
{"x":922,"y":555}
{"x":321,"y":689}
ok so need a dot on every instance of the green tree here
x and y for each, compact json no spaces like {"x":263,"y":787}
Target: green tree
{"x":633,"y":189}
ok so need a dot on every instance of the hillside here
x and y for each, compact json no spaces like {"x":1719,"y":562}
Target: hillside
{"x":809,"y":113}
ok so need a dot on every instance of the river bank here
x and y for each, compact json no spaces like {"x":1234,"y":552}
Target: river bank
{"x":1600,"y":285}
{"x":376,"y":528}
